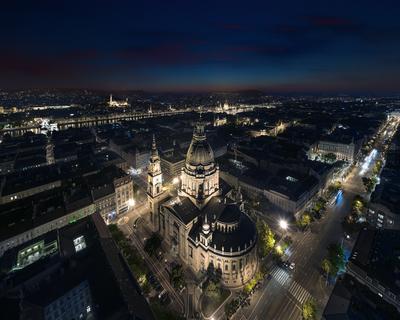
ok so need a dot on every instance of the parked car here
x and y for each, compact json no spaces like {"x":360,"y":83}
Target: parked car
{"x":164,"y":297}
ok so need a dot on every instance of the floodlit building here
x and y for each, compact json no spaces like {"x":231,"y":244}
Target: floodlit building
{"x":117,"y":103}
{"x":204,"y":224}
{"x":344,"y":146}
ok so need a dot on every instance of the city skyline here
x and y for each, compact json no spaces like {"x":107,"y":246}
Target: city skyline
{"x":283,"y":47}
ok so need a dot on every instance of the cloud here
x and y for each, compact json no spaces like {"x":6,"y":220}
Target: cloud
{"x":64,"y":65}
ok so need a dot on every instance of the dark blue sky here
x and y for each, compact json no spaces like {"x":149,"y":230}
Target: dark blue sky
{"x":279,"y":46}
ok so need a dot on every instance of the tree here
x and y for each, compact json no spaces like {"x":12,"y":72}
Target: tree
{"x":358,"y":205}
{"x":377,"y":167}
{"x":116,"y":233}
{"x":329,"y":157}
{"x":266,"y":238}
{"x":326,"y":266}
{"x":336,"y":257}
{"x":305,"y":220}
{"x":152,"y":244}
{"x":177,"y":277}
{"x":309,"y":310}
{"x":213,"y":289}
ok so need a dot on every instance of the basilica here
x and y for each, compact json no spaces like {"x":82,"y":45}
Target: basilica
{"x":204,"y":224}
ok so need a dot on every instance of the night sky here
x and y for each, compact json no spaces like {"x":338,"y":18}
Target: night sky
{"x":279,"y":46}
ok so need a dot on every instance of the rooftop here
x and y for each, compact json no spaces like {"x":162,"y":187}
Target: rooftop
{"x":352,"y":300}
{"x":377,"y":252}
{"x":19,"y":181}
{"x":91,"y":267}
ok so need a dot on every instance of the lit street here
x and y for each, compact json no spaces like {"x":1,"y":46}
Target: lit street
{"x":282,"y":296}
{"x":199,"y":160}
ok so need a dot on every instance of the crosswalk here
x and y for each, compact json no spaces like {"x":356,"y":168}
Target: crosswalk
{"x":294,"y":288}
{"x":298,"y":292}
{"x":280,"y":275}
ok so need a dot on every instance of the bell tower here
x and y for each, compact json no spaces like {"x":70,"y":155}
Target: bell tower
{"x":154,"y":185}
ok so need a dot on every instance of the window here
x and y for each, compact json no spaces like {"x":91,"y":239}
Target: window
{"x":226,"y":267}
{"x":190,"y":252}
{"x":79,"y":243}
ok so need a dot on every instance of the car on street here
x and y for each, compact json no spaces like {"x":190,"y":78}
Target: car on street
{"x":164,"y":297}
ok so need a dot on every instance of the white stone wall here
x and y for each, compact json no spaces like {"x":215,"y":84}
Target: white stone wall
{"x":341,"y":151}
{"x":236,"y":270}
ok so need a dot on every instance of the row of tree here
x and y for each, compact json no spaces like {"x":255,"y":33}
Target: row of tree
{"x":334,"y":261}
{"x":266,"y":238}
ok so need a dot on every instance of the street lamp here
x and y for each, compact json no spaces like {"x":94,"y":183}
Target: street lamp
{"x":131,"y":202}
{"x":175,"y":180}
{"x":283,"y":224}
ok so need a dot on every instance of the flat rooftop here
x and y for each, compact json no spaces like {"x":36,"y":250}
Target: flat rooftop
{"x":377,"y":252}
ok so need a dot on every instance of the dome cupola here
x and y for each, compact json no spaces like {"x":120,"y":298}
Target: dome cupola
{"x":200,"y":175}
{"x":199,"y":153}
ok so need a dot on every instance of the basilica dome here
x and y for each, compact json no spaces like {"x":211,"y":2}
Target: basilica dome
{"x":199,"y":152}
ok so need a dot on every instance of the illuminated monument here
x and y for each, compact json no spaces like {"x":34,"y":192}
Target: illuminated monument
{"x":204,"y":225}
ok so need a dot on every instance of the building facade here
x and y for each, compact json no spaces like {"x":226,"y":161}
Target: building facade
{"x":204,"y":225}
{"x":40,"y":229}
{"x":343,"y":151}
{"x":123,"y":193}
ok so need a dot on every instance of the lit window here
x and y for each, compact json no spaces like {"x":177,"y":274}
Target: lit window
{"x":79,"y":243}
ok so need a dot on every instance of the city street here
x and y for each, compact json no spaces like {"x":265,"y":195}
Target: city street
{"x":282,"y":296}
{"x":200,"y":161}
{"x":137,"y":236}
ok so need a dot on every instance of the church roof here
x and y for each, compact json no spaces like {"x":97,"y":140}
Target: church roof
{"x":243,"y":237}
{"x":217,"y":210}
{"x":182,"y":208}
{"x":230,"y":213}
{"x":240,"y":239}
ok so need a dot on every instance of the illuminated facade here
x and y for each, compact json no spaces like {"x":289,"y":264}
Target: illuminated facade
{"x":204,"y":225}
{"x":118,"y":104}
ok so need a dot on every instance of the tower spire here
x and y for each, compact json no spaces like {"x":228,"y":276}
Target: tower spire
{"x":198,"y":133}
{"x":154,"y":151}
{"x":206,"y":226}
{"x":154,"y":184}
